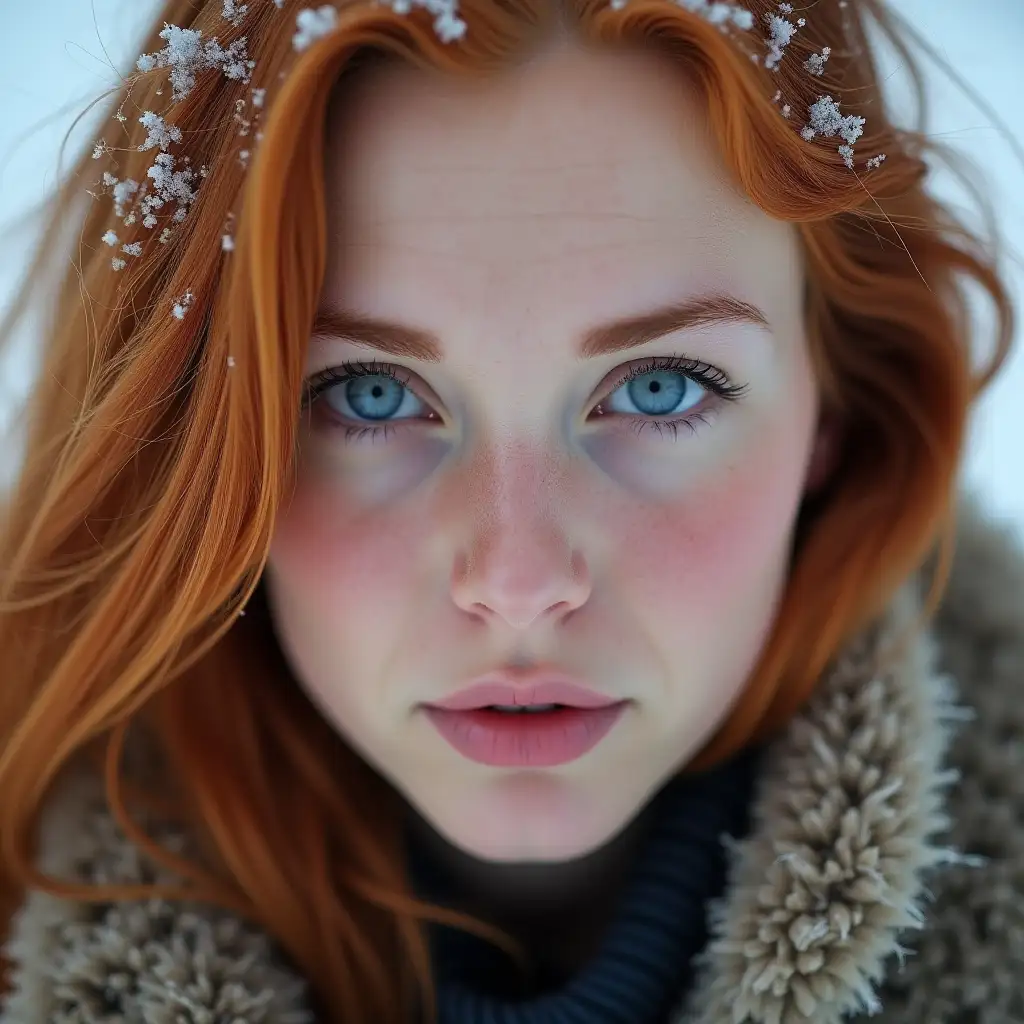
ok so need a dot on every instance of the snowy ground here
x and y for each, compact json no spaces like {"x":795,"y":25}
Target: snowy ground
{"x":60,"y":55}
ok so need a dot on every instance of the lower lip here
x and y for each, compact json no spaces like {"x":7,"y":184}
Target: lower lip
{"x":541,"y":739}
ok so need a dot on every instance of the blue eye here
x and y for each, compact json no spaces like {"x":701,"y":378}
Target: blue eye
{"x":372,"y":392}
{"x":362,"y":397}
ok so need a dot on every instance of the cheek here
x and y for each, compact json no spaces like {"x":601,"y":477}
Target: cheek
{"x":721,"y":547}
{"x":342,"y":589}
{"x":338,"y":565}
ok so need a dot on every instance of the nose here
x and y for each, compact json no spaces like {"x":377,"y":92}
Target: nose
{"x":519,"y":565}
{"x":521,"y":575}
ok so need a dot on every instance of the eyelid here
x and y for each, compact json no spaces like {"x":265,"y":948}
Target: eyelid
{"x":406,"y":377}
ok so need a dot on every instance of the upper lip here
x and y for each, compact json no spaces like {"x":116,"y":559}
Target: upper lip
{"x":538,"y":687}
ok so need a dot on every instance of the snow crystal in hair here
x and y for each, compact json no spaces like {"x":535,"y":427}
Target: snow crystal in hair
{"x":312,"y":24}
{"x":187,"y":55}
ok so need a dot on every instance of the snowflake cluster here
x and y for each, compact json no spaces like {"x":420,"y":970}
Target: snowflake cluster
{"x":816,"y":62}
{"x":187,"y":55}
{"x":826,"y":120}
{"x":168,"y":183}
{"x":780,"y":33}
{"x":447,"y":24}
{"x":312,"y":24}
{"x":181,"y":307}
{"x":159,"y":134}
{"x":233,"y":13}
{"x":824,"y":116}
{"x":713,"y":11}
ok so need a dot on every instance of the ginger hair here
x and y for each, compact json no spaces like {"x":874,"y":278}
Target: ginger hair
{"x":139,"y":523}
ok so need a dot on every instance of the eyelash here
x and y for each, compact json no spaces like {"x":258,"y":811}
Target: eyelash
{"x":707,"y":376}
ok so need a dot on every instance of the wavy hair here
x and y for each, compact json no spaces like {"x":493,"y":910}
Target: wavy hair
{"x":158,"y":451}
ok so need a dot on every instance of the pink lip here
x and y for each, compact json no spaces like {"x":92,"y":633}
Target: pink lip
{"x":502,"y":688}
{"x":540,"y":739}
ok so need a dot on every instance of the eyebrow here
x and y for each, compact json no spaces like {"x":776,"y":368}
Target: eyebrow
{"x":400,"y":339}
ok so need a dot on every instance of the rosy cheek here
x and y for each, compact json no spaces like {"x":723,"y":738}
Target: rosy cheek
{"x":301,"y":535}
{"x":333,"y":553}
{"x":704,"y":552}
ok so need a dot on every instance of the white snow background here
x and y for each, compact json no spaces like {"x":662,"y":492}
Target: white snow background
{"x":60,"y":55}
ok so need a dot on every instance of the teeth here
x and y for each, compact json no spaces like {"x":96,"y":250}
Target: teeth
{"x":520,"y":709}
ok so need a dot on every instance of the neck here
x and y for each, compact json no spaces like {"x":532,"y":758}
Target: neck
{"x":557,"y":910}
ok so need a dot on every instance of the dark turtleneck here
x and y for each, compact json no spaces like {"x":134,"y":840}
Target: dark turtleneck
{"x":643,"y":966}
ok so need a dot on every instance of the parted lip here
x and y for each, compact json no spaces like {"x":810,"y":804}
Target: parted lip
{"x":522,"y":689}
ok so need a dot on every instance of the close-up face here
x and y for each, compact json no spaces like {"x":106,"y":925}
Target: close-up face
{"x":496,"y":494}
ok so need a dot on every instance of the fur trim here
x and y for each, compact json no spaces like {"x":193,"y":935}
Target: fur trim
{"x":146,"y":962}
{"x":848,"y":806}
{"x":883,"y":876}
{"x":854,"y":863}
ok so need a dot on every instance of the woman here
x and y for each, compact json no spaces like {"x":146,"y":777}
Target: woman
{"x":489,"y":545}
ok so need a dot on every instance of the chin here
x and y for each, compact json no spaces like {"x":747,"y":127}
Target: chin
{"x":514,"y":849}
{"x":530,"y":818}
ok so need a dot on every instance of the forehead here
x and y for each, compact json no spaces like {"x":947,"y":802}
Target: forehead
{"x":583,"y":175}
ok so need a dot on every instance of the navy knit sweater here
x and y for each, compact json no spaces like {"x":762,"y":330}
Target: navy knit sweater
{"x":643,"y":968}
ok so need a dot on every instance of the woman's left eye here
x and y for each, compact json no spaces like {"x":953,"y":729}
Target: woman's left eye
{"x":664,"y":393}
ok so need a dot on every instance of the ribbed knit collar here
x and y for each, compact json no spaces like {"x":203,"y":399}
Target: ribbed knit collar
{"x":641,"y":968}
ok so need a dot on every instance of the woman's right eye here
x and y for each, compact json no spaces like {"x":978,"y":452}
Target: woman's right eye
{"x":370,"y":396}
{"x":362,"y":396}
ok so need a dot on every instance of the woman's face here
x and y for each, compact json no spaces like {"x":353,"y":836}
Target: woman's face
{"x":523,"y":507}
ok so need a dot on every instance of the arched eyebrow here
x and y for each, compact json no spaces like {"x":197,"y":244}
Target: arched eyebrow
{"x":400,"y":339}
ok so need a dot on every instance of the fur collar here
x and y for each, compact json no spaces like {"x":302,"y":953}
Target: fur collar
{"x":849,"y":857}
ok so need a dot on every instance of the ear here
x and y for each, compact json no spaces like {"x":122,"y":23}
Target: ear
{"x":825,"y":454}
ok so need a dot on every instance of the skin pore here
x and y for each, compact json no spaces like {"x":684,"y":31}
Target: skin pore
{"x":501,"y":520}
